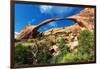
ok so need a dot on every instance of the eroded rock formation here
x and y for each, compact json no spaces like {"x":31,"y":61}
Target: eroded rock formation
{"x":27,"y":33}
{"x":87,"y":18}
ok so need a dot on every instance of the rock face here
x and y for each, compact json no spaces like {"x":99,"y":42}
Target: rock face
{"x":87,"y":18}
{"x":27,"y":33}
{"x":74,"y":28}
{"x":69,"y":34}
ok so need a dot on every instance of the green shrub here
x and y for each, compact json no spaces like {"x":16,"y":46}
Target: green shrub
{"x":86,"y":44}
{"x":28,"y":54}
{"x":63,"y":47}
{"x":74,"y":58}
{"x":22,"y":55}
{"x":86,"y":41}
{"x":43,"y":55}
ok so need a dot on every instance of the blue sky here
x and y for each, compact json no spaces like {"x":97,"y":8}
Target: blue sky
{"x":26,"y":14}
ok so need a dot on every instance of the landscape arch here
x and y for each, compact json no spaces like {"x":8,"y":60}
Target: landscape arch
{"x":30,"y":31}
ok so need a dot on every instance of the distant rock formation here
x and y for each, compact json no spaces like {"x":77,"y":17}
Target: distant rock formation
{"x":69,"y":34}
{"x":74,"y":28}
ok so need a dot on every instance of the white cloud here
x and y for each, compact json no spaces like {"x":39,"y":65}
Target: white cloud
{"x":63,"y":10}
{"x":45,"y":8}
{"x":53,"y":24}
{"x":56,"y":10}
{"x":16,"y":34}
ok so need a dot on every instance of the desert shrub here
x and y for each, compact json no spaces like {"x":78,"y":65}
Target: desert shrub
{"x":86,"y":41}
{"x":67,"y":58}
{"x":64,"y":49}
{"x":86,"y":44}
{"x":74,"y":58}
{"x":32,"y":54}
{"x":44,"y":55}
{"x":22,"y":55}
